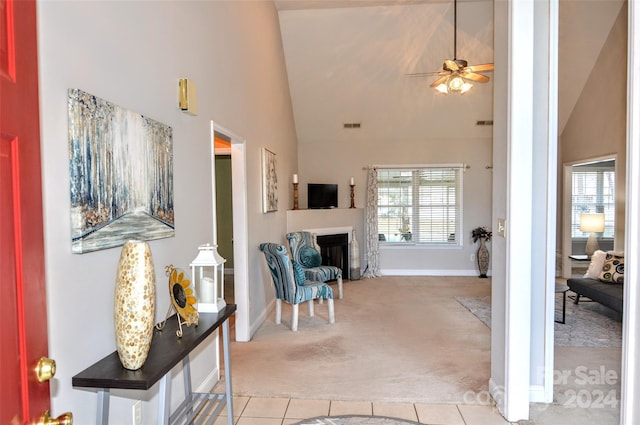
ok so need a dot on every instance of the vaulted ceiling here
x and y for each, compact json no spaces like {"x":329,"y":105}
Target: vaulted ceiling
{"x":347,"y":62}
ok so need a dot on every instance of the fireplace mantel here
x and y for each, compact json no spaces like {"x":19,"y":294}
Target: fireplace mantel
{"x":322,"y":219}
{"x":329,"y":222}
{"x":332,"y":231}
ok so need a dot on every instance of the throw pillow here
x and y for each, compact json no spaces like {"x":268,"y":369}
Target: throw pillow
{"x":310,"y":257}
{"x":612,"y":269}
{"x":298,"y":273}
{"x":597,"y":261}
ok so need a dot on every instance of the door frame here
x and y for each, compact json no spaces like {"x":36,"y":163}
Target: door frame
{"x":567,"y":193}
{"x":240,"y":229}
{"x":630,"y":386}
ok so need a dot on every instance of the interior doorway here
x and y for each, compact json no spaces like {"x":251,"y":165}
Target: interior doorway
{"x":589,"y":187}
{"x":234,"y":146}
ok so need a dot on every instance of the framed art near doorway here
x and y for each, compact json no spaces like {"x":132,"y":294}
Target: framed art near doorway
{"x":269,"y":182}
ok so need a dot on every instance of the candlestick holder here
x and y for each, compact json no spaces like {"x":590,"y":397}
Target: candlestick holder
{"x":353,"y":196}
{"x":295,"y":196}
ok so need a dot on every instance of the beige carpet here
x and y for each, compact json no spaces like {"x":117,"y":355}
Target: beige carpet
{"x":395,"y":339}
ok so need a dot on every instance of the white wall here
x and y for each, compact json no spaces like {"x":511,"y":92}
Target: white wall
{"x":596,"y":126}
{"x":360,"y":57}
{"x":132,"y":54}
{"x":333,"y":161}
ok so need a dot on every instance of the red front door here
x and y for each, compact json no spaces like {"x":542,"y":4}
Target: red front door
{"x":23,"y":315}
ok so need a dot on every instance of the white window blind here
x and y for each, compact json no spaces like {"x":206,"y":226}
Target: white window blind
{"x":419,"y":205}
{"x":593,"y":191}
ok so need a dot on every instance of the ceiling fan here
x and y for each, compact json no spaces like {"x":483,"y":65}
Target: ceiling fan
{"x":456,"y":73}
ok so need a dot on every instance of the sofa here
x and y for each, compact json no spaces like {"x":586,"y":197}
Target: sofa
{"x":603,"y":282}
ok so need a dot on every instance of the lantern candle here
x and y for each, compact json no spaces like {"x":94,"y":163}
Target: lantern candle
{"x":295,"y":178}
{"x":206,"y":290}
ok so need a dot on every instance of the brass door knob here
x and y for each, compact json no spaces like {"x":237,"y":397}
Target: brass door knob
{"x":45,"y":369}
{"x":64,"y":419}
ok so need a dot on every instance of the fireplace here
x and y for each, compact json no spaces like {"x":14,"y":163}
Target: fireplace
{"x":334,"y":246}
{"x":334,"y":250}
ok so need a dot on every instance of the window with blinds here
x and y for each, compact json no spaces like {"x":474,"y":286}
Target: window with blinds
{"x":419,"y":205}
{"x":593,"y":191}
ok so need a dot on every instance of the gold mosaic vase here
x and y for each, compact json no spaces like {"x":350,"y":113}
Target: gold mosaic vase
{"x":134,"y":304}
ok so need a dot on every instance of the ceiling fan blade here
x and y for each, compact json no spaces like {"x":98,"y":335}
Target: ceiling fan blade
{"x":480,"y":68}
{"x":426,"y":74}
{"x":439,"y":81}
{"x":450,"y":65}
{"x":479,"y":78}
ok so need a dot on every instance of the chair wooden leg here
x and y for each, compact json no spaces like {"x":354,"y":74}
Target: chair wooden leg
{"x":278,"y":311}
{"x":294,"y":318}
{"x":332,"y":315}
{"x":340,"y":287}
{"x":311,"y":312}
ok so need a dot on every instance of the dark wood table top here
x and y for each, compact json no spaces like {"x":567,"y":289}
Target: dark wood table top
{"x":167,"y":349}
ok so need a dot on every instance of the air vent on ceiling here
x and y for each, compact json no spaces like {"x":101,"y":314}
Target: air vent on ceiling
{"x":351,"y":125}
{"x":484,"y":122}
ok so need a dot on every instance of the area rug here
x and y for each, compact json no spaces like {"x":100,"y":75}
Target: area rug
{"x":588,"y":324}
{"x":355,"y":420}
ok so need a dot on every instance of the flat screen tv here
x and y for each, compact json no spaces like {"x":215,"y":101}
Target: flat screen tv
{"x":322,"y":195}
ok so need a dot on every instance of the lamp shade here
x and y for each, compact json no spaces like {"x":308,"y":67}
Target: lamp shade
{"x":592,"y":222}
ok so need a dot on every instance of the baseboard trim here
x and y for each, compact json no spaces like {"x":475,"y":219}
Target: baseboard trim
{"x":428,"y":272}
{"x":537,"y":394}
{"x":263,"y":316}
{"x":497,"y":393}
{"x":209,"y":381}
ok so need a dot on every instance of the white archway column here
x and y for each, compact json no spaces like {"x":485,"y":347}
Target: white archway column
{"x":512,"y":206}
{"x":630,"y":386}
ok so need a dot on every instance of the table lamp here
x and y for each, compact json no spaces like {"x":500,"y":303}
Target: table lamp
{"x":592,"y":223}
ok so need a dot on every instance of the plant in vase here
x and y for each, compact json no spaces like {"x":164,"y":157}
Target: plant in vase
{"x":483,"y":235}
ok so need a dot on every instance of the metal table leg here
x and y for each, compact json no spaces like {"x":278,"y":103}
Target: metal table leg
{"x":164,"y":399}
{"x":227,"y":371}
{"x":103,"y":407}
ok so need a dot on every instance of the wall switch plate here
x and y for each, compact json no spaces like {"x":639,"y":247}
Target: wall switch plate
{"x":137,"y":413}
{"x":473,"y":257}
{"x":502,"y":227}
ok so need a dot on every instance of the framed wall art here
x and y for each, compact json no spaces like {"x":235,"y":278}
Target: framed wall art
{"x":121,"y":169}
{"x":269,"y":181}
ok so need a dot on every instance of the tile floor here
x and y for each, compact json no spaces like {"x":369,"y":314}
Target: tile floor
{"x":286,"y":411}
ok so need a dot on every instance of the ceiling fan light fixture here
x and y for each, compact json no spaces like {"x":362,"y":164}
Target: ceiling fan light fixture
{"x":454,"y":84}
{"x":465,"y":87}
{"x":442,"y":88}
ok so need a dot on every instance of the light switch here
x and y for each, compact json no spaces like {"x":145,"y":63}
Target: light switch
{"x":502,"y":227}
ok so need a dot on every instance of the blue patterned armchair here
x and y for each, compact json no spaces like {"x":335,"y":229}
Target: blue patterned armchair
{"x":306,"y":252}
{"x":291,"y":284}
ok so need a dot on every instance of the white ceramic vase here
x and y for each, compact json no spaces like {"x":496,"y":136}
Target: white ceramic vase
{"x":134,"y":304}
{"x":354,"y":258}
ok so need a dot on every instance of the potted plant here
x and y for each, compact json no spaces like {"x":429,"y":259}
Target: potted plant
{"x":482,"y":234}
{"x":405,"y":230}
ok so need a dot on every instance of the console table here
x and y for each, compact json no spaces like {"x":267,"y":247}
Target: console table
{"x":165,"y":352}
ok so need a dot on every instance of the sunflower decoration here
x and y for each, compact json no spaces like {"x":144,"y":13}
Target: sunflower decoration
{"x":182,"y":297}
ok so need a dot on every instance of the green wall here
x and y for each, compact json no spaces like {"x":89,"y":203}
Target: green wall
{"x":224,"y":209}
